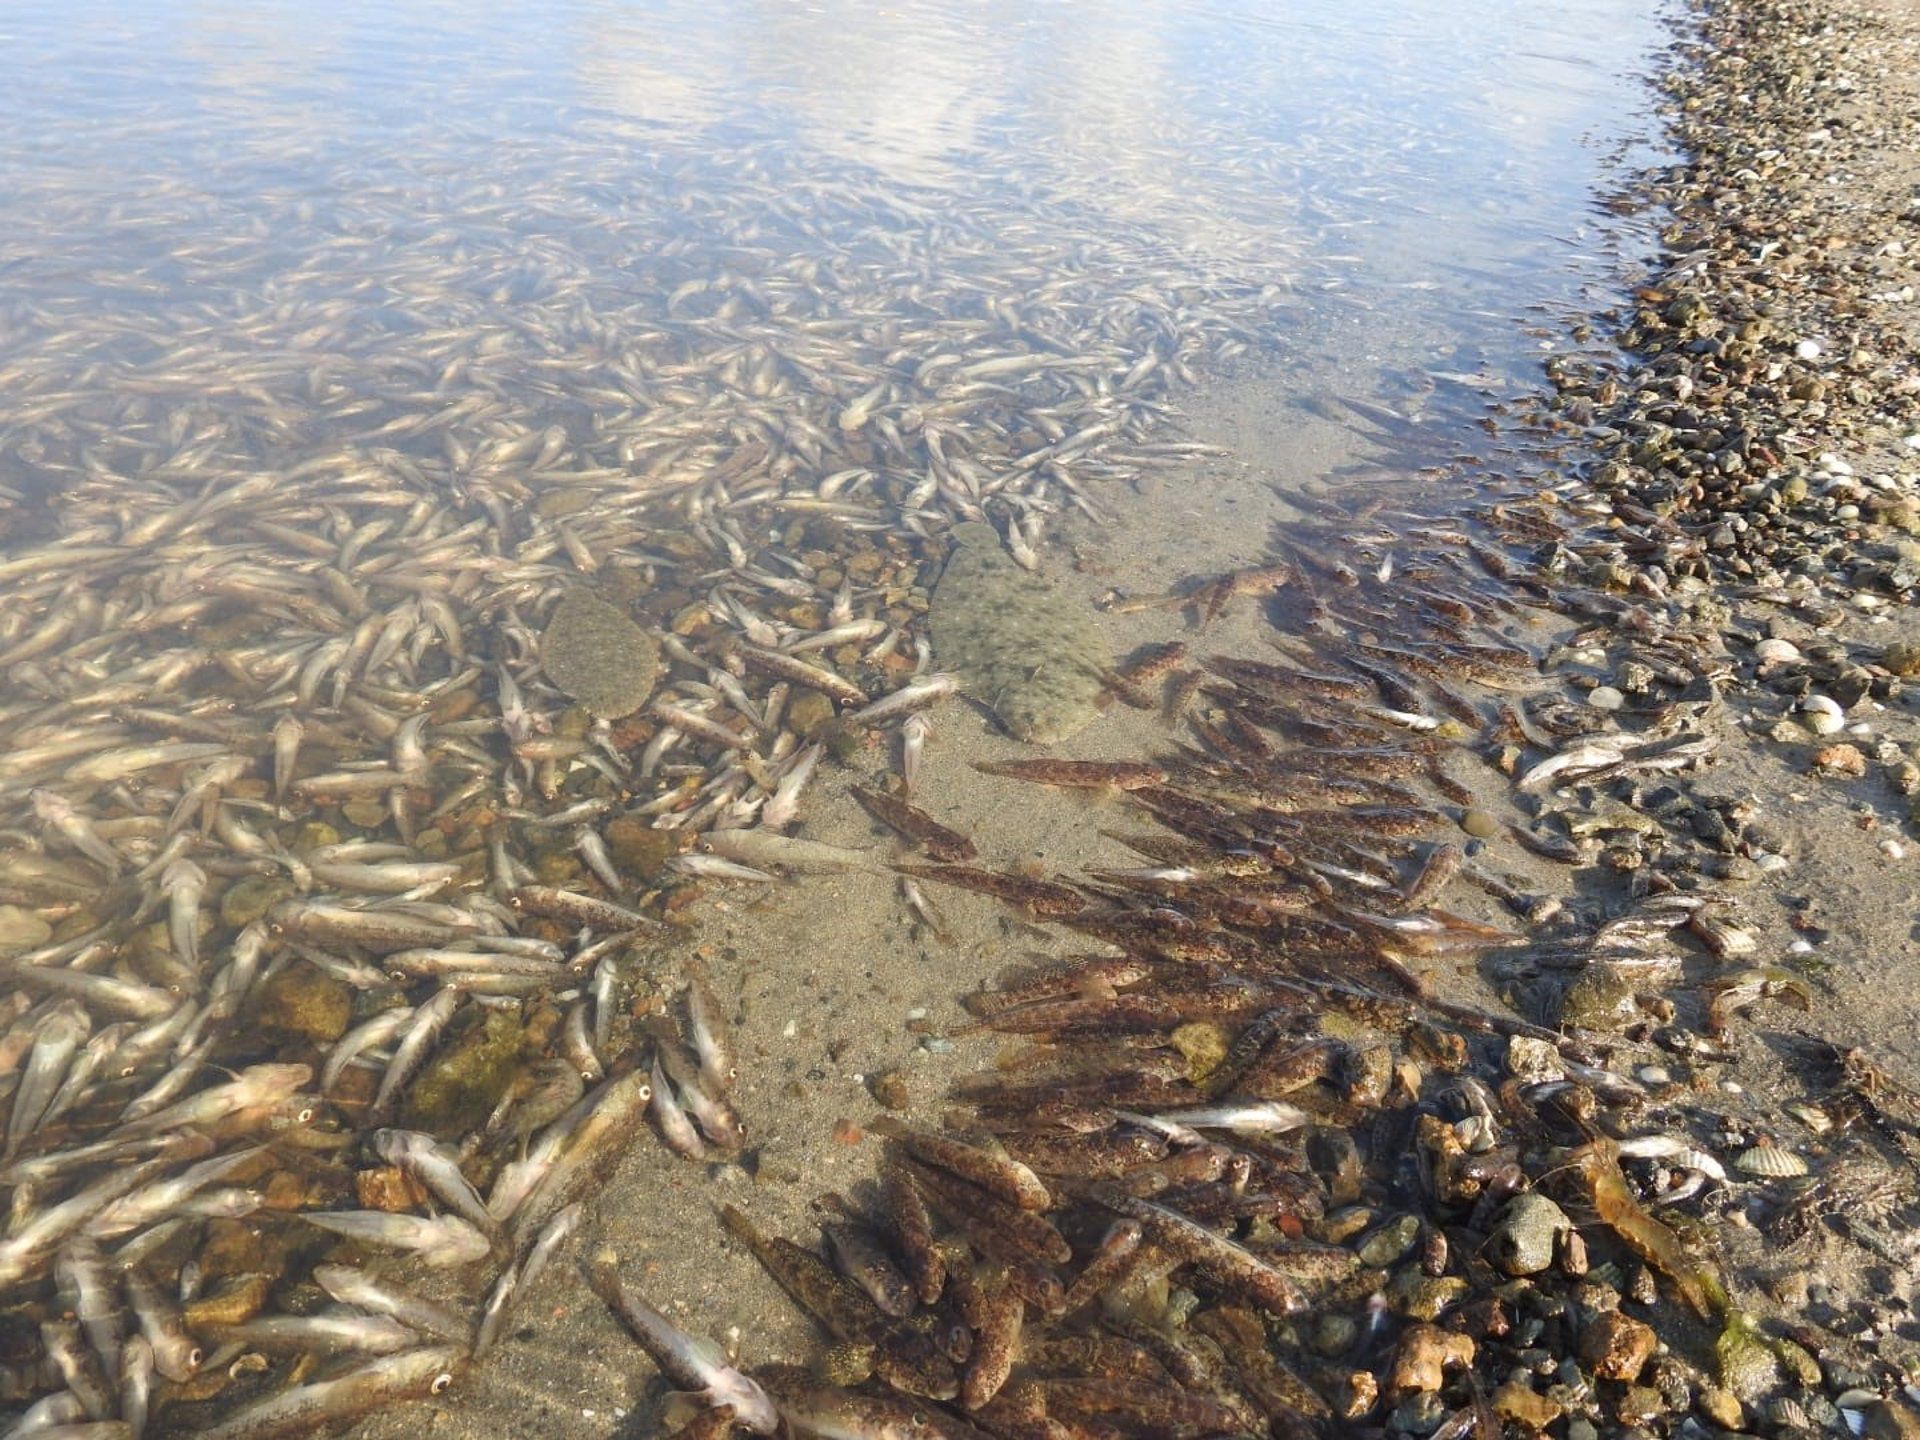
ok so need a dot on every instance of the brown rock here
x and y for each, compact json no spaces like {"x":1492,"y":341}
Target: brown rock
{"x":1902,"y":657}
{"x":1615,"y":1346}
{"x":237,"y":1247}
{"x":807,"y":711}
{"x":1355,"y":1394}
{"x":1513,"y":1401}
{"x":388,"y":1188}
{"x":1426,"y":1353}
{"x":639,"y":849}
{"x":240,"y":1299}
{"x":1842,"y":760}
{"x":890,"y":1089}
{"x":1722,"y":1407}
{"x":1639,"y":1405}
{"x":303,"y":1002}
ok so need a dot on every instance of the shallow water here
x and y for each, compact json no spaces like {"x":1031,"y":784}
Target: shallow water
{"x":310,"y":203}
{"x":337,"y":345}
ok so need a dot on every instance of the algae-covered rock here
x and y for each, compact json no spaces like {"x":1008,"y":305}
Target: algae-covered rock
{"x":1030,"y":653}
{"x":595,"y":653}
{"x":250,"y":897}
{"x":639,"y":849}
{"x":458,"y":1090}
{"x":303,"y":1002}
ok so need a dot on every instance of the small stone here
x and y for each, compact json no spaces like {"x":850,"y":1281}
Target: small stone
{"x":1480,"y":824}
{"x":638,"y":849}
{"x":1527,"y":1234}
{"x":1514,"y":1401}
{"x":1389,"y":1243}
{"x":808,"y":711}
{"x":1421,"y":1297}
{"x":1845,"y":761}
{"x":1605,"y":697}
{"x":1334,"y":1334}
{"x":845,"y":1132}
{"x":1204,"y":1044}
{"x":367,"y":814}
{"x":1616,"y":1346}
{"x":238,"y":1300}
{"x":1891,"y":1420}
{"x":1355,"y":1393}
{"x":1537,"y":1062}
{"x":387,"y":1188}
{"x":303,"y":1002}
{"x":1426,"y":1353}
{"x":1777,"y":652}
{"x":1722,"y":1407}
{"x":1902,"y":658}
{"x":250,"y":897}
{"x":890,"y":1090}
{"x":1639,"y":1404}
{"x":1600,"y":998}
{"x":1342,"y":1225}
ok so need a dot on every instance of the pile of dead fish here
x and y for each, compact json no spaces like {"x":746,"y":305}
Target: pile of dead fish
{"x":1260,"y":1171}
{"x":369,"y":671}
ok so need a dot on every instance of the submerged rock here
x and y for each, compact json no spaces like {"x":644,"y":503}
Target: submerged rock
{"x":1022,"y":648}
{"x":595,"y":653}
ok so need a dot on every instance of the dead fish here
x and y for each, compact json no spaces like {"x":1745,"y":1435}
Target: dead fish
{"x":305,"y":1409}
{"x":997,"y":1174}
{"x":917,"y":694}
{"x":834,"y":1414}
{"x":442,"y":1240}
{"x":915,"y":824}
{"x":694,"y":1365}
{"x":762,"y":848}
{"x":1077,"y":774}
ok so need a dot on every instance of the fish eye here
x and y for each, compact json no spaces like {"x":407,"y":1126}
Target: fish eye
{"x":441,"y":1383}
{"x":195,"y":1357}
{"x":304,"y":1114}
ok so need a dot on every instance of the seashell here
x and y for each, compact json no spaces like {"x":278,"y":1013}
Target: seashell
{"x":1706,"y":1163}
{"x":1776,"y":652}
{"x":1722,"y":936}
{"x":1787,"y":1413}
{"x":1822,"y":715}
{"x":1774,"y":1162}
{"x":1812,"y":1116}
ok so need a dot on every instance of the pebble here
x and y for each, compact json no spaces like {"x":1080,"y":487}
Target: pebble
{"x":1605,"y":697}
{"x":1527,"y":1234}
{"x":1480,"y":824}
{"x":1616,"y":1346}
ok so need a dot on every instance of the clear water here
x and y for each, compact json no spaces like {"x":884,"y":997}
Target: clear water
{"x":256,"y":217}
{"x":312,"y":313}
